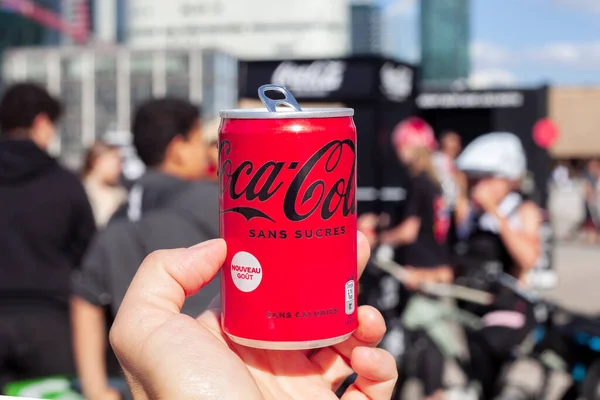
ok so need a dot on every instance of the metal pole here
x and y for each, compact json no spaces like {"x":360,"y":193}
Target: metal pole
{"x":196,"y":76}
{"x":123,"y":89}
{"x":89,"y":100}
{"x":159,"y":74}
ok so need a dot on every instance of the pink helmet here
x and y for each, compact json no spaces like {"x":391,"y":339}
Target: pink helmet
{"x":414,"y":131}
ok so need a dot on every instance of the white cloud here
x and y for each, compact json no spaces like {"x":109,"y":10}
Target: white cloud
{"x":485,"y":54}
{"x":577,"y":55}
{"x":492,"y":78}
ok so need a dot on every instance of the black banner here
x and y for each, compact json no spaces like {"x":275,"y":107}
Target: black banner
{"x":355,"y":79}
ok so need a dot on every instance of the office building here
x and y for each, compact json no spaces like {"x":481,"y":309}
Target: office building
{"x":16,"y":29}
{"x":445,"y":36}
{"x":257,"y":29}
{"x":365,"y":28}
{"x":108,"y":20}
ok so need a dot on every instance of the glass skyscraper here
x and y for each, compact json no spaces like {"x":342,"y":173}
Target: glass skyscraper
{"x":365,"y":28}
{"x":445,"y":37}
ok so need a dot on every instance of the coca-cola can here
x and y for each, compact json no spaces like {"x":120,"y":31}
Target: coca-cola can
{"x":288,"y":214}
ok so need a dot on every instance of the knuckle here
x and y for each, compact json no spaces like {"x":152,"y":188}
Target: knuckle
{"x":116,"y":338}
{"x":156,"y":257}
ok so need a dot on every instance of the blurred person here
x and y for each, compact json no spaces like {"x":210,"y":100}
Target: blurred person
{"x":211,"y":138}
{"x":101,"y":173}
{"x":420,"y":239}
{"x":561,"y":176}
{"x":46,"y":223}
{"x":170,"y":206}
{"x":500,"y":231}
{"x":443,"y":160}
{"x":422,"y":233}
{"x":450,"y":144}
{"x":167,"y":355}
{"x":591,"y":177}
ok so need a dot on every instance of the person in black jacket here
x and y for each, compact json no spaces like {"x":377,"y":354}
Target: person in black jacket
{"x":46,"y":224}
{"x":171,"y":206}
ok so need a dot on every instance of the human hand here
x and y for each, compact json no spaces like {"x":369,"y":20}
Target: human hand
{"x":107,"y":393}
{"x":168,"y":355}
{"x":412,"y":278}
{"x":484,"y":197}
{"x":367,"y":224}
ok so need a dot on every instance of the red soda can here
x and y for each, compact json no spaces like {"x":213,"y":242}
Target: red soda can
{"x":288,"y":214}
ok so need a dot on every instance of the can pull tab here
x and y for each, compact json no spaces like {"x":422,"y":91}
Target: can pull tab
{"x":271,"y":104}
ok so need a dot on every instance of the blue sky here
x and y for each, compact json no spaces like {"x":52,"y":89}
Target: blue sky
{"x":531,"y":41}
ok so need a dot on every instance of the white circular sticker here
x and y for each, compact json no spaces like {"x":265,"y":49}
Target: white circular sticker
{"x":246,"y":271}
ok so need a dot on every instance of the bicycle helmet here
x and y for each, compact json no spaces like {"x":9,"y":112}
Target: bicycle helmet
{"x":499,"y":154}
{"x":416,"y":132}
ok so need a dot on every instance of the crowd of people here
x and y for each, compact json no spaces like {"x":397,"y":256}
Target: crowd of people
{"x":79,"y":254}
{"x":464,"y":213}
{"x":70,"y":246}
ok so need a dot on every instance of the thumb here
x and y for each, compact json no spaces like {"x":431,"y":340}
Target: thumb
{"x":160,"y":286}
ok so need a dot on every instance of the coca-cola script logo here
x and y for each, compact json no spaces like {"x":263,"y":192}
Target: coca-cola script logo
{"x":317,"y":78}
{"x":396,"y":81}
{"x":309,"y":189}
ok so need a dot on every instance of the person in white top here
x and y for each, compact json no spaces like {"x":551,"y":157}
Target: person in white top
{"x":450,"y":148}
{"x":101,"y":172}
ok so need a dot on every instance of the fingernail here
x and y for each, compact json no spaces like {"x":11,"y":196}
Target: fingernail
{"x":374,"y":355}
{"x":205,"y":244}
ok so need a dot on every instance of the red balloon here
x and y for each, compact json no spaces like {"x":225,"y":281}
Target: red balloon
{"x":545,"y":133}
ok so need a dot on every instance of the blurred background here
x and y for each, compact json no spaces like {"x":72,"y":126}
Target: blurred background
{"x":467,"y":66}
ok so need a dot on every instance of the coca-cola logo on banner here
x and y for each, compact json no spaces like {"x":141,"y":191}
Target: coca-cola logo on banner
{"x":396,"y":81}
{"x":315,"y":188}
{"x":318,"y":78}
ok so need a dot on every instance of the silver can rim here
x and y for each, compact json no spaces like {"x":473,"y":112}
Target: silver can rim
{"x":261,"y":113}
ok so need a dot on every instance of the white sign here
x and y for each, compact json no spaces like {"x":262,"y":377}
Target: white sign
{"x":250,"y":29}
{"x":318,"y":78}
{"x":470,"y":100}
{"x":396,"y":81}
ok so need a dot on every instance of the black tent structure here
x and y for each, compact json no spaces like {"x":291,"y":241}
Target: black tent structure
{"x":384,"y":92}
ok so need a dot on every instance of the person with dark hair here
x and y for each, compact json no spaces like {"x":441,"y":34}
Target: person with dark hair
{"x":211,"y":138}
{"x":450,"y":144}
{"x":450,"y":178}
{"x":101,"y":173}
{"x":170,"y":206}
{"x":46,"y":223}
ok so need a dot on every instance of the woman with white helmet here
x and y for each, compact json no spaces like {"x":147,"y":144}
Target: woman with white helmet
{"x":498,"y":230}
